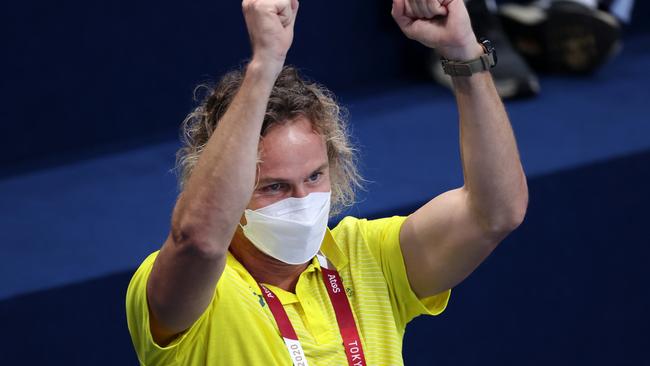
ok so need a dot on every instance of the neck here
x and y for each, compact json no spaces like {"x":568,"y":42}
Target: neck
{"x":263,"y":268}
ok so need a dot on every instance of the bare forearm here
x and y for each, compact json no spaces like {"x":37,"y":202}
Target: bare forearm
{"x":192,"y":259}
{"x":446,"y":239}
{"x":188,"y":267}
{"x":494,"y":177}
{"x":223,"y":180}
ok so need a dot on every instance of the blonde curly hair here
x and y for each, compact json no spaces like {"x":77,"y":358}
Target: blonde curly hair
{"x":292,"y":96}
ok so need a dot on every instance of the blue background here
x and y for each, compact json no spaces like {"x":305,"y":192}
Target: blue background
{"x":92,"y":96}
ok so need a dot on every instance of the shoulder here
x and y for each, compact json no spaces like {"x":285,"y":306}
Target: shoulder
{"x":188,"y":342}
{"x":361,"y":238}
{"x":352,"y":228}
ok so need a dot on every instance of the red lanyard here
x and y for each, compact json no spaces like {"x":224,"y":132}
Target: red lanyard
{"x":342,"y":309}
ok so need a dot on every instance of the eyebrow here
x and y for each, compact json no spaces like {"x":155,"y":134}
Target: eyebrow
{"x":264,"y":181}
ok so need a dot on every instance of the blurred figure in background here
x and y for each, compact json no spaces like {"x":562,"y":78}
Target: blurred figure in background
{"x":562,"y":36}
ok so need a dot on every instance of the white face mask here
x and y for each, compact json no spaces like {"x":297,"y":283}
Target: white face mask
{"x":290,"y":230}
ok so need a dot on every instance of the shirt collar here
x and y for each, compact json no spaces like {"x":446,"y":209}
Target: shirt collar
{"x":332,"y":251}
{"x":329,"y":248}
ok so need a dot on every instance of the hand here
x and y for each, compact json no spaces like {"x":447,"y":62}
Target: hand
{"x":440,"y":24}
{"x":270,"y":27}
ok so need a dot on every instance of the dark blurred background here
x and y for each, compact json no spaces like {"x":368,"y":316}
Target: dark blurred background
{"x":92,"y":96}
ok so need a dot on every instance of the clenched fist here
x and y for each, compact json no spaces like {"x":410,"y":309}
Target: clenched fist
{"x":270,"y":27}
{"x":440,"y":24}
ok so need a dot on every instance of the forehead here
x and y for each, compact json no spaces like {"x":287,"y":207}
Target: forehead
{"x":291,"y":148}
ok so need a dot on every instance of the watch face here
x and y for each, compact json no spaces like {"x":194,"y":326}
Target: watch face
{"x":489,"y":48}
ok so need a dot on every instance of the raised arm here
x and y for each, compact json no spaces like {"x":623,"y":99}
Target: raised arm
{"x":446,"y":239}
{"x":206,"y":215}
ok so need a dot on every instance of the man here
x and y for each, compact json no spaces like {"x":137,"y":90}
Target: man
{"x":250,"y":275}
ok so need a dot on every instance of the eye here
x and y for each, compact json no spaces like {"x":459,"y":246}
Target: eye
{"x":272,"y":188}
{"x":315,"y":177}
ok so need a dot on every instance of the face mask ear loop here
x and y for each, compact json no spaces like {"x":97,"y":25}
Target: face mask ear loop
{"x":241,"y":227}
{"x":245,"y":218}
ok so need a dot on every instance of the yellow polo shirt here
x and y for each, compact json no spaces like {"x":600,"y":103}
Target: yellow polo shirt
{"x":238,"y":328}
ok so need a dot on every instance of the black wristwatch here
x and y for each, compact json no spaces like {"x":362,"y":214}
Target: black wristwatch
{"x":466,"y":68}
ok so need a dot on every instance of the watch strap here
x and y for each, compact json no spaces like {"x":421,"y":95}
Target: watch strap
{"x":468,"y":68}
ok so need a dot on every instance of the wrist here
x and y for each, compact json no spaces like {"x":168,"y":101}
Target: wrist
{"x":468,"y":52}
{"x":264,"y":70}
